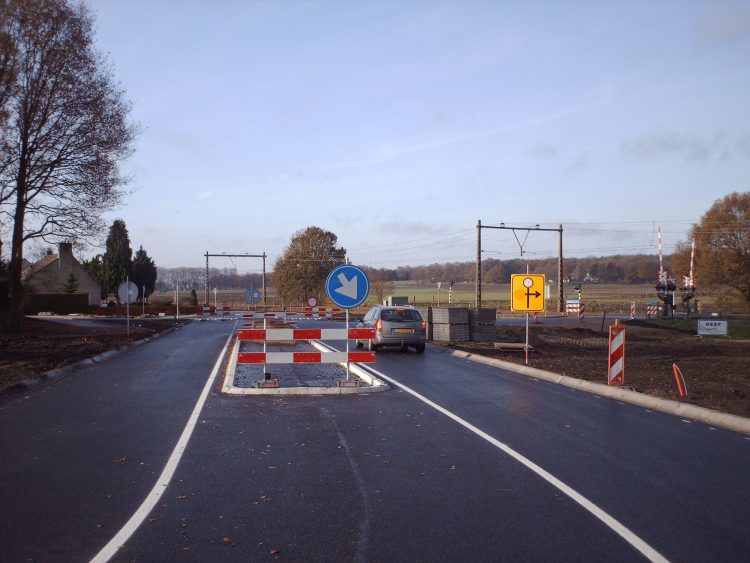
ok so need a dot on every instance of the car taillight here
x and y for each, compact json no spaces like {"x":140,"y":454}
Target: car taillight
{"x":379,"y":326}
{"x":424,"y":326}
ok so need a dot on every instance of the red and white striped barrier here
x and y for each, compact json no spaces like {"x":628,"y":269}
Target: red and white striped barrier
{"x":324,"y":312}
{"x":283,"y":334}
{"x":575,"y":307}
{"x":616,"y":373}
{"x":257,"y":315}
{"x":652,"y":309}
{"x":286,"y":334}
{"x":305,"y":357}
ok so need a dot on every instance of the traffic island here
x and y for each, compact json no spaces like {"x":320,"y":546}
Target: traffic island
{"x":294,"y":379}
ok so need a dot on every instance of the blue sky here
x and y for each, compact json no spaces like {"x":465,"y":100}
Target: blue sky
{"x":397,"y":125}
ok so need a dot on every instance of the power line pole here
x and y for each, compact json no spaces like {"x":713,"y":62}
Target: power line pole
{"x":479,"y":265}
{"x":239,"y":256}
{"x":561,"y":303}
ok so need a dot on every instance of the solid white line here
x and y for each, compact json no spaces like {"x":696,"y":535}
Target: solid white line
{"x":624,"y":532}
{"x":109,"y":550}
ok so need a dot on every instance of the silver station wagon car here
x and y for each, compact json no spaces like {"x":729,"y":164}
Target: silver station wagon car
{"x":400,"y":326}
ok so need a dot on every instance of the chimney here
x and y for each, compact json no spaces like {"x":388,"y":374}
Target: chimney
{"x":65,"y":255}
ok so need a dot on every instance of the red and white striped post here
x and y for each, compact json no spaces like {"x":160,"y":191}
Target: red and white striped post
{"x":616,"y":371}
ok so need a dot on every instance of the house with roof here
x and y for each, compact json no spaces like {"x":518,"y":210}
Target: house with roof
{"x":61,"y":274}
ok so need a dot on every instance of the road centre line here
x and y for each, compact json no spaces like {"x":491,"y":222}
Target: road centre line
{"x":118,"y":541}
{"x":609,"y":521}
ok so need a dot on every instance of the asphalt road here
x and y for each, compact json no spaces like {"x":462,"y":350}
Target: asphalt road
{"x":378,"y":477}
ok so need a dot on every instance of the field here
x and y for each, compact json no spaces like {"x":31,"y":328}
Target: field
{"x":715,"y":369}
{"x":612,"y":298}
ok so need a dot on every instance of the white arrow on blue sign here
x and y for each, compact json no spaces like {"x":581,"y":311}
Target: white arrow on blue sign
{"x":347,"y":286}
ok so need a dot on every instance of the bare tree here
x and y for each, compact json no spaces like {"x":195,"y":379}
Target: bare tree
{"x":66,"y":130}
{"x":380,"y":284}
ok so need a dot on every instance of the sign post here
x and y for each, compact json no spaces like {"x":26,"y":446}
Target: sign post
{"x":527,"y":294}
{"x":347,"y":286}
{"x":128,"y":292}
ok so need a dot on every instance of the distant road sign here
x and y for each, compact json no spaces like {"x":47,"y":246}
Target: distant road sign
{"x":312,"y":301}
{"x":347,"y":286}
{"x":252,"y":296}
{"x":527,"y":292}
{"x":127,"y":292}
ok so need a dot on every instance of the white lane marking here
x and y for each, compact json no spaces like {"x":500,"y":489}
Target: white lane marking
{"x":611,"y":522}
{"x":109,"y":550}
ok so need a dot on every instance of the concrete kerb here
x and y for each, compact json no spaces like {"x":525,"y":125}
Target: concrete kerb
{"x":229,"y":388}
{"x":702,"y":414}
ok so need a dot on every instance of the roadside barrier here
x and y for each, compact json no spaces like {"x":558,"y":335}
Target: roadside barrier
{"x":281,"y":334}
{"x":324,"y":312}
{"x":285,"y":335}
{"x":575,"y":307}
{"x":652,"y":309}
{"x":616,"y":372}
{"x":305,"y":357}
{"x":265,"y":315}
{"x":269,"y":318}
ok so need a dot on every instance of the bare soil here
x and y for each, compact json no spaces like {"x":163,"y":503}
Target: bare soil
{"x":716,"y":370}
{"x":45,"y":345}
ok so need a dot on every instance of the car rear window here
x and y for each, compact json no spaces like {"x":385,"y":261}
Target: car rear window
{"x":400,"y":315}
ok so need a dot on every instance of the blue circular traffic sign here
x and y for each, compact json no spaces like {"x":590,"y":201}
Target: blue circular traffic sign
{"x":347,"y":286}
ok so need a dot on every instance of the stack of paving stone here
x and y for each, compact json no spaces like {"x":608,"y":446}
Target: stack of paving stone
{"x":482,"y":324}
{"x":426,"y":313}
{"x":451,"y":324}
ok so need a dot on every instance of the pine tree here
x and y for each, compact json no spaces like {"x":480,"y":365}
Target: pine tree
{"x":143,"y":273}
{"x":118,"y":257}
{"x":71,"y":283}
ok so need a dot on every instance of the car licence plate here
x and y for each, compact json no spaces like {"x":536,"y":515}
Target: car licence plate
{"x":403,"y":331}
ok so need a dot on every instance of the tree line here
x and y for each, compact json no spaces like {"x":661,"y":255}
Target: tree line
{"x":195,"y":278}
{"x":721,"y":260}
{"x":638,"y":268}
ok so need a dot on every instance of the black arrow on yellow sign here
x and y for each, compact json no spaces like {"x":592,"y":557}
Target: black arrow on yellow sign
{"x":529,"y":295}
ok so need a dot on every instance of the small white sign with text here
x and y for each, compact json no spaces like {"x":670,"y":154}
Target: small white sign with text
{"x":712,"y":328}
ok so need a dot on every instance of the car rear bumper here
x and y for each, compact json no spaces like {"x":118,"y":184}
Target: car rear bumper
{"x":410,"y":340}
